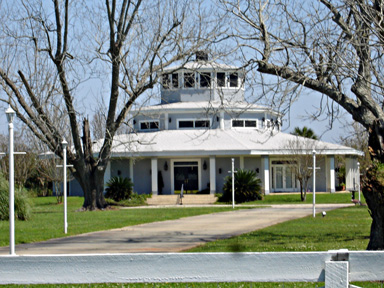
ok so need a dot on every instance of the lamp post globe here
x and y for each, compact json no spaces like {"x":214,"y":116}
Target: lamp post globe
{"x":10,"y":113}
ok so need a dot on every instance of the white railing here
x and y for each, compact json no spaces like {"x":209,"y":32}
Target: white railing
{"x":335,"y":268}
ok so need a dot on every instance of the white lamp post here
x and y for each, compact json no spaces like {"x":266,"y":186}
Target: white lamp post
{"x":314,"y":182}
{"x":358,"y":180}
{"x":10,"y":117}
{"x":233,"y":183}
{"x":64,"y":145}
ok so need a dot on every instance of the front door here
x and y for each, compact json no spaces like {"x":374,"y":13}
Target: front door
{"x":186,"y":175}
{"x":283,"y":177}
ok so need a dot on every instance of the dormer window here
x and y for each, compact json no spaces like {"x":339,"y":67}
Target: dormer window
{"x":205,"y":80}
{"x":166,"y":81}
{"x":189,"y":80}
{"x":220,"y":79}
{"x":175,"y":80}
{"x":171,"y":81}
{"x":233,"y":80}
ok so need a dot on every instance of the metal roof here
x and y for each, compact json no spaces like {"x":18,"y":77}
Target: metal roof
{"x":216,"y":142}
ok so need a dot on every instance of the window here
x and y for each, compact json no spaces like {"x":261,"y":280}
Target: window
{"x":189,"y":80}
{"x":170,"y":79}
{"x":149,"y":125}
{"x":233,"y":80}
{"x":166,"y":81}
{"x":175,"y":80}
{"x":201,"y":123}
{"x":244,"y":123}
{"x":186,"y":124}
{"x":193,"y":124}
{"x":220,"y":79}
{"x":205,"y":80}
{"x":250,"y":123}
{"x":237,"y":123}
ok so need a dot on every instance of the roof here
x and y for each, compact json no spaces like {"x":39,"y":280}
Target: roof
{"x":218,"y":142}
{"x":205,"y":106}
{"x":201,"y":66}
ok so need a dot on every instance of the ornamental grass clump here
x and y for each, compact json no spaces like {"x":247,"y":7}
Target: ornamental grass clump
{"x":247,"y":187}
{"x":119,"y":188}
{"x":22,"y":206}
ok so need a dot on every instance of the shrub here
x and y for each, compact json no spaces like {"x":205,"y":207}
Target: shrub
{"x":22,"y":206}
{"x":119,"y":188}
{"x":247,"y":187}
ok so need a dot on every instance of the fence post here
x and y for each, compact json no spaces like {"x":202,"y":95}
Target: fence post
{"x":336,"y":274}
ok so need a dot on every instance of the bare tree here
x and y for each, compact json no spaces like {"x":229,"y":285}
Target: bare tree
{"x":301,"y":161}
{"x":25,"y":165}
{"x":53,"y":50}
{"x":332,"y":47}
{"x":50,"y":173}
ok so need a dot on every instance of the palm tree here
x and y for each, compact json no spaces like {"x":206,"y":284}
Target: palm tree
{"x":305,"y":132}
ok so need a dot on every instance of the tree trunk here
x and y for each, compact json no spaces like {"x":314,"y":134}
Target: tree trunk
{"x":90,"y":174}
{"x":373,"y":191}
{"x":92,"y":183}
{"x":303,"y":191}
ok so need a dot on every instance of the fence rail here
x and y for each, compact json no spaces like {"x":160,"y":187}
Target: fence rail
{"x":340,"y":266}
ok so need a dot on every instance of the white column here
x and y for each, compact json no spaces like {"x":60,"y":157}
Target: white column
{"x":332,"y":178}
{"x":265,"y":173}
{"x":242,"y":162}
{"x":107,"y":174}
{"x":350,"y":173}
{"x":222,"y":120}
{"x":166,"y":121}
{"x":131,"y":170}
{"x":154,"y":176}
{"x":330,"y":173}
{"x":212,"y":174}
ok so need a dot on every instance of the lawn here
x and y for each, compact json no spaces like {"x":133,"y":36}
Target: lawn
{"x":346,"y":228}
{"x":343,"y":228}
{"x":321,"y":198}
{"x":48,"y":221}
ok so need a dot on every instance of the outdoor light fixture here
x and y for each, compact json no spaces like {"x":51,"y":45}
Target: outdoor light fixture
{"x":257,"y":170}
{"x":10,"y":115}
{"x":217,"y":118}
{"x":170,"y":120}
{"x":324,"y":213}
{"x":205,"y":165}
{"x":165,"y":166}
{"x":219,"y":170}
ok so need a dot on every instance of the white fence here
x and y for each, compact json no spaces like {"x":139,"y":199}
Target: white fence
{"x":335,"y":268}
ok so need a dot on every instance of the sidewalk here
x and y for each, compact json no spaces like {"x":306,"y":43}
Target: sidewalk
{"x":173,"y":235}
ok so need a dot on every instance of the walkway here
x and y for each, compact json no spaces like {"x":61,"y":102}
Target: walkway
{"x":172,"y":235}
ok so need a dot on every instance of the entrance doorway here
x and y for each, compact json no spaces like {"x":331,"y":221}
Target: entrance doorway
{"x":283,"y":177}
{"x":186,"y":175}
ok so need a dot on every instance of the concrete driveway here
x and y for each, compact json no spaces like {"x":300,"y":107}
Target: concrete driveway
{"x":172,"y":235}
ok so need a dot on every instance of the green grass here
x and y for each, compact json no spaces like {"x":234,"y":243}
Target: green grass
{"x":343,"y":228}
{"x":346,"y":228}
{"x":198,"y":285}
{"x":47,"y":219}
{"x":321,"y":198}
